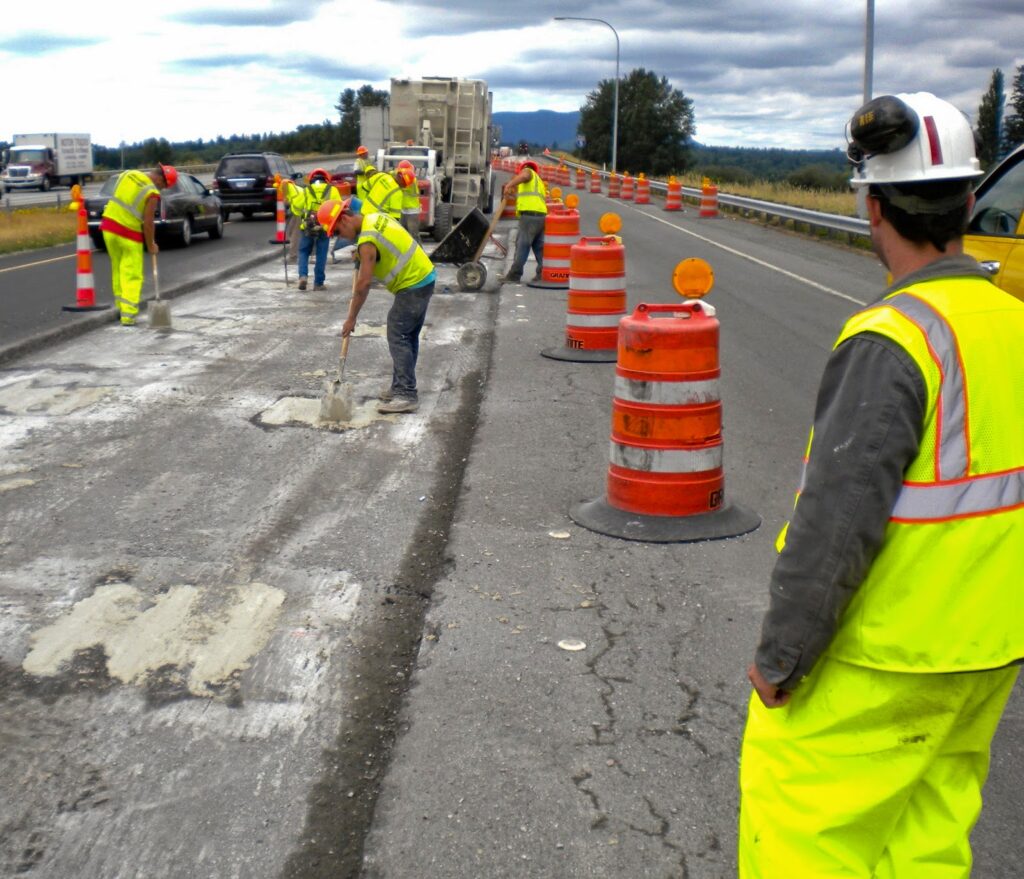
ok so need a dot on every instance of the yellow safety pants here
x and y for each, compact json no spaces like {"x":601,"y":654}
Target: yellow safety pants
{"x":126,"y":274}
{"x":868,"y":774}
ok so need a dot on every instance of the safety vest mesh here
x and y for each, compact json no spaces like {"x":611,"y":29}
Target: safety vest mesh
{"x":411,"y":199}
{"x":401,"y":262}
{"x":383,"y":196}
{"x":945,"y":592}
{"x":128,"y":203}
{"x":309,"y":198}
{"x":530,"y":195}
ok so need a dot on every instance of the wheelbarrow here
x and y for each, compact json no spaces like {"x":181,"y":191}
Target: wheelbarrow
{"x":464,"y":245}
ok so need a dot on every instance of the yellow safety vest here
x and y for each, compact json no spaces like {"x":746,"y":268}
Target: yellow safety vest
{"x":530,"y":195}
{"x":401,"y":262}
{"x":946,"y":590}
{"x":128,"y":203}
{"x":383,"y":196}
{"x":309,"y":198}
{"x":411,"y":199}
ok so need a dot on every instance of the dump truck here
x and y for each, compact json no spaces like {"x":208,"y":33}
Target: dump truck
{"x":443,"y":126}
{"x":41,"y":161}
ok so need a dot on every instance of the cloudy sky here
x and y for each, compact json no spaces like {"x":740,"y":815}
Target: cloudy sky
{"x":760,"y":74}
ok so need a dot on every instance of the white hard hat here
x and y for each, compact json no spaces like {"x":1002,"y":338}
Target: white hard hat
{"x":910,"y":138}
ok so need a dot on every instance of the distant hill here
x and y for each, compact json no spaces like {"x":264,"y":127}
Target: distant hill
{"x":543,"y":127}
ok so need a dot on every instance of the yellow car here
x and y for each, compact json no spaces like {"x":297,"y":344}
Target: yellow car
{"x":995,"y":235}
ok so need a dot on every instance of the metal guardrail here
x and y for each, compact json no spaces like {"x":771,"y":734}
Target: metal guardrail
{"x":813,"y":220}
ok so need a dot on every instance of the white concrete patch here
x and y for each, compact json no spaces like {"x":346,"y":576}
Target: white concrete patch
{"x":28,"y":397}
{"x":12,"y":484}
{"x":175,"y":630}
{"x":306,"y":411}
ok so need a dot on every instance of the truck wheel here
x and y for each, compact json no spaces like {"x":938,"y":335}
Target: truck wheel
{"x":442,"y":221}
{"x":45,"y":185}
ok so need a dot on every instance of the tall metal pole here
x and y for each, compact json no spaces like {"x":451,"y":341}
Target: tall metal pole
{"x":615,"y":99}
{"x":869,"y":49}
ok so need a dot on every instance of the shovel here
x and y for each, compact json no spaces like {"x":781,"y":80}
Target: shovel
{"x":336,"y":404}
{"x":159,"y":311}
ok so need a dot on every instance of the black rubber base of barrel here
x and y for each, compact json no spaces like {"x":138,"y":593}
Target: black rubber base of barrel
{"x":582,"y":355}
{"x":84,"y":307}
{"x":549,"y":285}
{"x":598,"y":515}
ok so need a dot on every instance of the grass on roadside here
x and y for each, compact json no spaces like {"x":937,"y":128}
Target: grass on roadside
{"x":33,"y":228}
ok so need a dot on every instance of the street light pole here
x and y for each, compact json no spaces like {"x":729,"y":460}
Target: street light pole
{"x":615,"y":100}
{"x":869,"y":49}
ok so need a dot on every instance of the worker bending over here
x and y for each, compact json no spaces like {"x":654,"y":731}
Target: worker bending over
{"x":896,"y":620}
{"x":128,"y":225}
{"x":387,"y":252}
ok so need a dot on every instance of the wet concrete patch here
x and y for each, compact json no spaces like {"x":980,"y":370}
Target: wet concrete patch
{"x":305,"y":412}
{"x":33,"y":396}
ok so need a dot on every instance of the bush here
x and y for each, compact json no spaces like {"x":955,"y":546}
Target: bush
{"x":819,"y":177}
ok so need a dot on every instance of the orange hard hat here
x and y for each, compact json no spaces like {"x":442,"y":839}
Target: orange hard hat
{"x":330,"y":212}
{"x":321,"y":173}
{"x":362,"y":151}
{"x":405,"y":163}
{"x":405,"y":177}
{"x":170,"y":174}
{"x":529,"y":163}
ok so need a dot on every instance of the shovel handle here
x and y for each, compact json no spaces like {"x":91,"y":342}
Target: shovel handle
{"x":156,"y":277}
{"x":344,"y":347}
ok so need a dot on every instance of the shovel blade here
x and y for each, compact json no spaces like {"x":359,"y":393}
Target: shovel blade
{"x":159,"y":312}
{"x":336,"y":404}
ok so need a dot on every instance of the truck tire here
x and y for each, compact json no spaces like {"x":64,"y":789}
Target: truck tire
{"x":442,"y":221}
{"x":44,"y":185}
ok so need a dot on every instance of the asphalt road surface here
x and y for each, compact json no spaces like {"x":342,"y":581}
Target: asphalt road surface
{"x":236,"y":642}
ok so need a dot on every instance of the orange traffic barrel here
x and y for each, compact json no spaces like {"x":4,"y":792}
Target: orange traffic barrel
{"x":665,"y":480}
{"x":595,"y":182}
{"x":674,"y":196}
{"x":708,"y":200}
{"x":280,"y":237}
{"x":627,"y":187}
{"x":581,"y":178}
{"x":596,"y":303}
{"x":614,"y":186}
{"x":85,"y":285}
{"x":643,"y":190}
{"x":561,"y":232}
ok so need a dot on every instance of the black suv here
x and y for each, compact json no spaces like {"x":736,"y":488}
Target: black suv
{"x":245,"y":182}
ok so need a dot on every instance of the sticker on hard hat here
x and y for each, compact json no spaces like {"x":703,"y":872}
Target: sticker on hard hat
{"x":693,"y":278}
{"x":609,"y":223}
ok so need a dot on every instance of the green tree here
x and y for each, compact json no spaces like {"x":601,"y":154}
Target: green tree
{"x":348,"y":109}
{"x":370,"y":97}
{"x":655,"y":124}
{"x":1013,"y":125}
{"x":990,"y":119}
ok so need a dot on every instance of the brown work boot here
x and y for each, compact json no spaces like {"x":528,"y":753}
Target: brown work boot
{"x":302,"y":283}
{"x":398,"y":405}
{"x":319,"y":287}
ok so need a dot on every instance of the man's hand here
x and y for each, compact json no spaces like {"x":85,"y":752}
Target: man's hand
{"x":153,"y":247}
{"x":348,"y":326}
{"x":771,"y":695}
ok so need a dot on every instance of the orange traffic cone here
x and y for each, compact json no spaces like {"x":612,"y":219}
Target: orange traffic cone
{"x":280,"y":237}
{"x":85,"y":293}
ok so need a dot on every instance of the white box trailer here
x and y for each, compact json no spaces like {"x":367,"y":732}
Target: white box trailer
{"x":41,"y":161}
{"x":452,"y":117}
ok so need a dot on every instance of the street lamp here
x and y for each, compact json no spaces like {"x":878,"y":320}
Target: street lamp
{"x":615,"y":107}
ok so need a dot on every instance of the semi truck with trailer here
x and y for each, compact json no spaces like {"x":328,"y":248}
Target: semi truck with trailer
{"x":42,"y":161}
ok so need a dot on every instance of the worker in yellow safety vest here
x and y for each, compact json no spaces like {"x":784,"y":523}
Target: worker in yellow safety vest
{"x":530,"y":194}
{"x":363,"y":177}
{"x":304,"y":203}
{"x":895,"y":624}
{"x":387,"y":253}
{"x":128,"y":226}
{"x":383,"y":195}
{"x":362,"y":158}
{"x":405,"y":175}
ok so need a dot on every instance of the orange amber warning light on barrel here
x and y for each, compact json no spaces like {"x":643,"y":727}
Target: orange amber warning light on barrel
{"x":693,"y":278}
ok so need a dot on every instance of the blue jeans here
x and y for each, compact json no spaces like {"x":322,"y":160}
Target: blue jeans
{"x":531,"y":235}
{"x":306,"y":244}
{"x":405,"y":320}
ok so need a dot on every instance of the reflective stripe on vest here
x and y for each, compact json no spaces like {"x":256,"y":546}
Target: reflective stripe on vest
{"x":954,"y":493}
{"x":401,"y":262}
{"x":530,"y":195}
